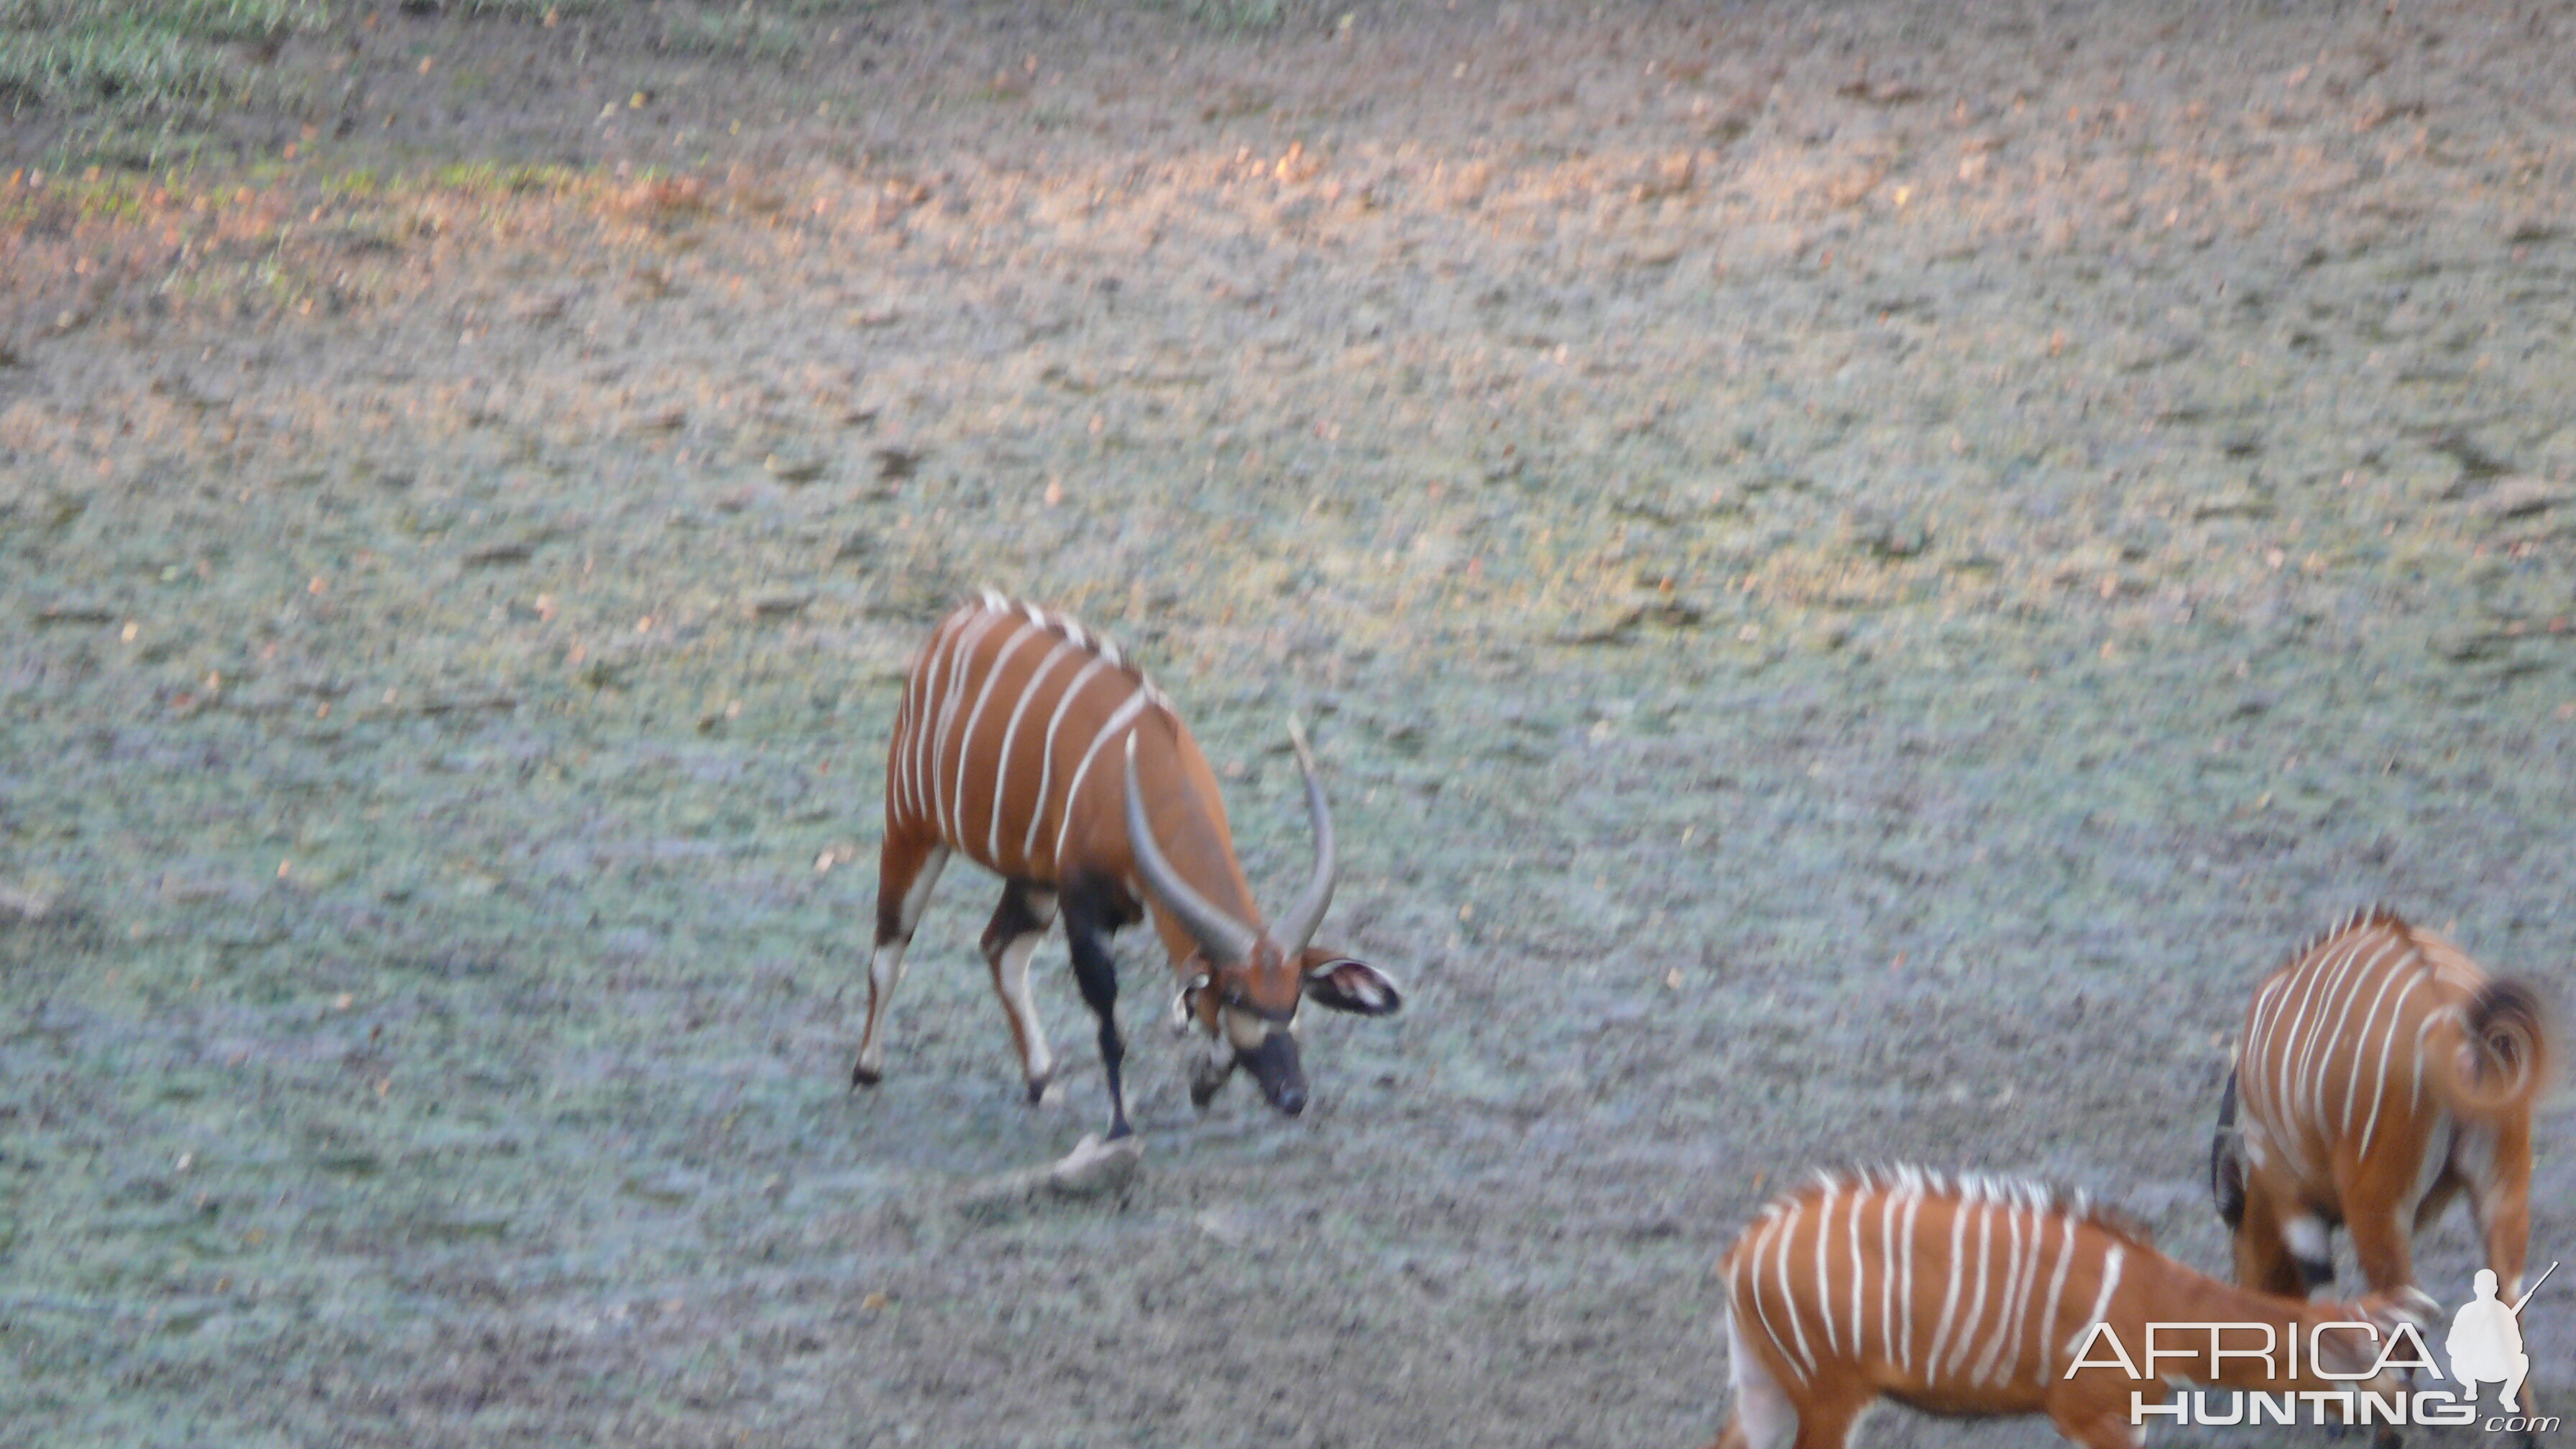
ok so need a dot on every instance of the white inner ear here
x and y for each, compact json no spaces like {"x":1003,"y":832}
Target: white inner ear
{"x":1359,"y":987}
{"x":1184,"y":1006}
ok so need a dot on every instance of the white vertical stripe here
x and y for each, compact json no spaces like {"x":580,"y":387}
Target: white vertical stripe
{"x":897,"y":806}
{"x":2258,"y":1032}
{"x":1887,"y":1201}
{"x":2346,"y":995}
{"x":925,"y":696}
{"x":1122,"y":717}
{"x":1949,"y":1299}
{"x":951,"y":706}
{"x":2056,"y":1295}
{"x":2379,"y":1082}
{"x":1976,"y":1306}
{"x":2361,"y":1039}
{"x":2254,"y":1077}
{"x":1046,"y":767}
{"x":1056,"y":654}
{"x":2336,"y":1041}
{"x":1905,"y":1286}
{"x":1859,"y":1324}
{"x":929,"y":702}
{"x":2008,"y":1310}
{"x":2415,"y":1091}
{"x":1824,"y":1276}
{"x":2309,"y":1027}
{"x":2292,"y":1036}
{"x":903,"y":756}
{"x":974,"y":721}
{"x":2008,"y":1267}
{"x":1751,"y":1269}
{"x":2040,"y":1218}
{"x":934,"y":663}
{"x":2111,"y":1264}
{"x":1789,"y":1300}
{"x":2316,"y":1039}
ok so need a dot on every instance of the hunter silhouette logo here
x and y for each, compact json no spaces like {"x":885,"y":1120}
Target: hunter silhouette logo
{"x":2486,"y":1341}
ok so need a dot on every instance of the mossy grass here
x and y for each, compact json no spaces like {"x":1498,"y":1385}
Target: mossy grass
{"x":1237,"y":16}
{"x":137,"y":56}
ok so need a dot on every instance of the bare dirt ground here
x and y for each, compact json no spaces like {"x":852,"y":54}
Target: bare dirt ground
{"x":1858,"y":573}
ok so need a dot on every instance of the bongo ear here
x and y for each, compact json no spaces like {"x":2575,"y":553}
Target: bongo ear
{"x":1187,"y":1007}
{"x":1343,"y":984}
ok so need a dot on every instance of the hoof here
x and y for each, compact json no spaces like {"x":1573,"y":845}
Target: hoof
{"x":863,"y":1075}
{"x":1095,"y":1166}
{"x":1038,"y":1088}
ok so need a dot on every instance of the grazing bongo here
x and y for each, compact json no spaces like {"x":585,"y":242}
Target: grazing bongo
{"x":2381,"y":1075}
{"x":1975,"y":1296}
{"x":1030,"y":745}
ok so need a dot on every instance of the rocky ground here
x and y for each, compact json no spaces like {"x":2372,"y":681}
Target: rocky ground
{"x":1858,"y":572}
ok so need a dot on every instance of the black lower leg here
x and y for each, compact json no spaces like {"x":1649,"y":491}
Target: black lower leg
{"x":1086,"y":932}
{"x":2227,"y":1161}
{"x":1015,"y":917}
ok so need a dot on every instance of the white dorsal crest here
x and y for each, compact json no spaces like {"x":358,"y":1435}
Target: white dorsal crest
{"x":1090,"y":641}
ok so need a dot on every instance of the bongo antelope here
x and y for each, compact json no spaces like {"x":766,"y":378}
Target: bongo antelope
{"x":1976,"y":1296}
{"x":1034,"y":748}
{"x":2381,"y":1075}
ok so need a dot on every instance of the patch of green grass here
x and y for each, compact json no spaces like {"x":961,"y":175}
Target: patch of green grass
{"x":115,"y":196}
{"x":362,"y":183}
{"x":526,"y":9}
{"x":135,"y":55}
{"x":137,"y":142}
{"x":1236,"y":16}
{"x":491,"y":179}
{"x":746,"y":32}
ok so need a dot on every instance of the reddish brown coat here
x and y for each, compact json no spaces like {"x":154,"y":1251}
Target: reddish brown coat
{"x":1032,"y":746}
{"x":2381,"y":1074}
{"x":1972,"y":1296}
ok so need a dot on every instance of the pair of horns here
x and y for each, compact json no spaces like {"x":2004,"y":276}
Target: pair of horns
{"x":1227,"y":941}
